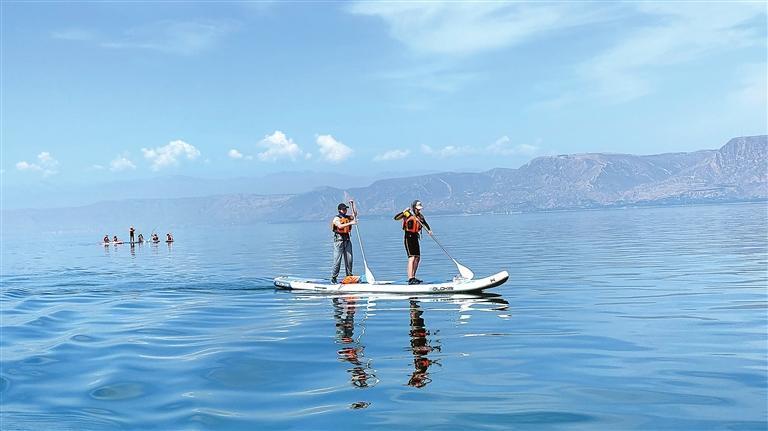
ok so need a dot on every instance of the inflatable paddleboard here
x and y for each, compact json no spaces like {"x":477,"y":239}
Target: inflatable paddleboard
{"x":456,"y":285}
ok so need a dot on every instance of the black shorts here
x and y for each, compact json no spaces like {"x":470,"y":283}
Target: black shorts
{"x":412,"y":245}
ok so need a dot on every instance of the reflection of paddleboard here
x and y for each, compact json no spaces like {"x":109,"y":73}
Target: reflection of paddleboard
{"x":456,"y":285}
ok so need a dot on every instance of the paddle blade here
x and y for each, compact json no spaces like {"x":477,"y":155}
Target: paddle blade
{"x":369,"y":276}
{"x":465,"y":272}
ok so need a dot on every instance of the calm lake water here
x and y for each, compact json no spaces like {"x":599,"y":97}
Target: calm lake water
{"x":636,"y":319}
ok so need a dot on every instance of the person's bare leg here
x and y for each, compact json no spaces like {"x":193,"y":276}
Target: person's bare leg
{"x":411,"y":266}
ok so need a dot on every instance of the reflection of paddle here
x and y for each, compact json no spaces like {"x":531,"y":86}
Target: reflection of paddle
{"x":463,"y":270}
{"x":368,"y":274}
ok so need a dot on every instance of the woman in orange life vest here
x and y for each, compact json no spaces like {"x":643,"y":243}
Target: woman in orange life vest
{"x":413,"y":220}
{"x":342,"y":246}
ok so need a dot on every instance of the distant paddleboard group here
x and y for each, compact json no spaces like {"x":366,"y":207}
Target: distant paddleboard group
{"x":133,"y":239}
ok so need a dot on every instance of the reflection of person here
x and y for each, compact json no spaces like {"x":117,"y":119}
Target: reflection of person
{"x":420,"y":347}
{"x":413,"y":220}
{"x":341,"y":225}
{"x":352,"y":352}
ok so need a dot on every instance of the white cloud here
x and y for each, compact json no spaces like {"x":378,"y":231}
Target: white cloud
{"x":46,"y":159}
{"x":168,"y":155}
{"x":681,"y":32}
{"x":25,"y":166}
{"x":448,"y":151}
{"x":279,"y":146}
{"x":333,"y":150}
{"x":45,"y":164}
{"x":121,"y":163}
{"x":503,"y":147}
{"x":237,"y":155}
{"x":392,"y":155}
{"x":471,"y":27}
{"x":167,"y":36}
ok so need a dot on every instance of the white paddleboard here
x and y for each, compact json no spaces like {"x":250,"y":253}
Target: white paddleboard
{"x":456,"y":285}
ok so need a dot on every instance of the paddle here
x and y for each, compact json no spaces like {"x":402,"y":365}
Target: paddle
{"x":368,"y":274}
{"x":463,"y":270}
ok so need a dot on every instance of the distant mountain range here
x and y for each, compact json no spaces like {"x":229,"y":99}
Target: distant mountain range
{"x":736,"y":172}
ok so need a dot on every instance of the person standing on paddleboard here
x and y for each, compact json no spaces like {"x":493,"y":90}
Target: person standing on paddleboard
{"x":342,"y":246}
{"x":413,"y":221}
{"x":130,"y":233}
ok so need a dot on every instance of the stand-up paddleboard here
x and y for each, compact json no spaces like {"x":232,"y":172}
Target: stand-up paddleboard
{"x":456,"y":285}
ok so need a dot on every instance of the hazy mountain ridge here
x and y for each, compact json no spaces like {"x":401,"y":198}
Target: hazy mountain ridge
{"x":736,"y":172}
{"x":147,"y":214}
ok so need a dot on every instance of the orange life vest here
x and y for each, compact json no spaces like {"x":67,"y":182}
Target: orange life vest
{"x":415,"y":226}
{"x":342,"y":220}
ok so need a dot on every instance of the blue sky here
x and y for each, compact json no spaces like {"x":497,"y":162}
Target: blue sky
{"x":107,"y":91}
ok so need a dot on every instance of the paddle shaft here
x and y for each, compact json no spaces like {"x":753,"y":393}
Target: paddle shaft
{"x":368,"y":274}
{"x":463,"y":270}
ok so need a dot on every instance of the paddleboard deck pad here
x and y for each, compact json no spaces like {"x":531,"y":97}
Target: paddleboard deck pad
{"x":456,"y":285}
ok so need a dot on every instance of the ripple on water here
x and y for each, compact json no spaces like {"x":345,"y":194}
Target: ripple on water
{"x":119,"y":391}
{"x":38,"y":360}
{"x":82,"y":338}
